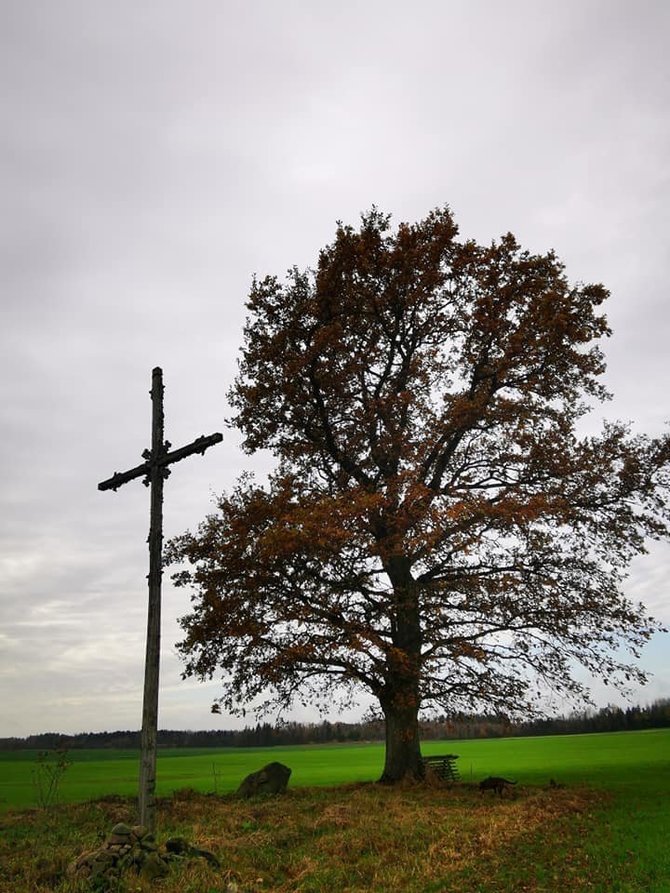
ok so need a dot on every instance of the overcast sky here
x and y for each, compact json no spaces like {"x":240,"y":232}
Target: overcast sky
{"x":154,"y":155}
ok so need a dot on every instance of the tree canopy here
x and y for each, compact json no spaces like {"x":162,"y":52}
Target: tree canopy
{"x":437,"y":530}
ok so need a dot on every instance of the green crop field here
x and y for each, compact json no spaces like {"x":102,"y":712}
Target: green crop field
{"x":613,"y":760}
{"x":606,"y":830}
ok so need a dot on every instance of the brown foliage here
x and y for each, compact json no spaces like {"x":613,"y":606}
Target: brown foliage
{"x":436,"y":529}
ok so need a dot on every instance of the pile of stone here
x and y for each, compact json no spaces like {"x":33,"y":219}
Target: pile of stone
{"x":133,"y":849}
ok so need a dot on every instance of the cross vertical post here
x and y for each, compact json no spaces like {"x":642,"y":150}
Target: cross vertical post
{"x":154,"y":470}
{"x":152,"y":659}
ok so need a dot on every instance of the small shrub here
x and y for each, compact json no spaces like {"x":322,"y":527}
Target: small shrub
{"x":50,"y":767}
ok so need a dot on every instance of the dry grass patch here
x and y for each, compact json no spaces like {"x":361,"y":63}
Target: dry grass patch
{"x":353,"y":839}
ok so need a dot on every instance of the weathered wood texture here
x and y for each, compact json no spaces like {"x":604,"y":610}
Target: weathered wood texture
{"x":155,"y":470}
{"x":444,"y":766}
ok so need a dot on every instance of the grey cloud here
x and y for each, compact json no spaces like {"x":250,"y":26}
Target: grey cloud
{"x":155,"y":155}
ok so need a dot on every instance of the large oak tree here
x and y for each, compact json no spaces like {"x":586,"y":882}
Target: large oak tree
{"x":436,"y":531}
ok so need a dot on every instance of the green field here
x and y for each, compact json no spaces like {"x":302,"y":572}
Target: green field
{"x":607,"y":830}
{"x":617,"y":760}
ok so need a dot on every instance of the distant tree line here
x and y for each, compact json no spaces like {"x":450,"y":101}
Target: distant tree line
{"x":607,"y":719}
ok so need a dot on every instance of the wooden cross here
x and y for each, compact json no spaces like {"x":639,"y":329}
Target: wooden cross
{"x":154,"y":470}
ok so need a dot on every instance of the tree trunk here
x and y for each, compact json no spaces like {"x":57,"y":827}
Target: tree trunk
{"x":403,"y":749}
{"x":400,"y":699}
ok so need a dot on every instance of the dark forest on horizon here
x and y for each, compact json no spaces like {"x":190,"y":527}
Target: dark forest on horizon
{"x":606,"y":719}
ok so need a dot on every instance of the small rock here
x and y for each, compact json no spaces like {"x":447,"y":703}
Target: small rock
{"x":154,"y":867}
{"x":177,"y":845}
{"x":118,"y":840}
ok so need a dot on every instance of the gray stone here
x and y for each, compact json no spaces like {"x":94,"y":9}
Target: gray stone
{"x":271,"y":779}
{"x":154,"y":867}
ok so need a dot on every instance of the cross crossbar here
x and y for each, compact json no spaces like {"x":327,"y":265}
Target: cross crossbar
{"x":199,"y":445}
